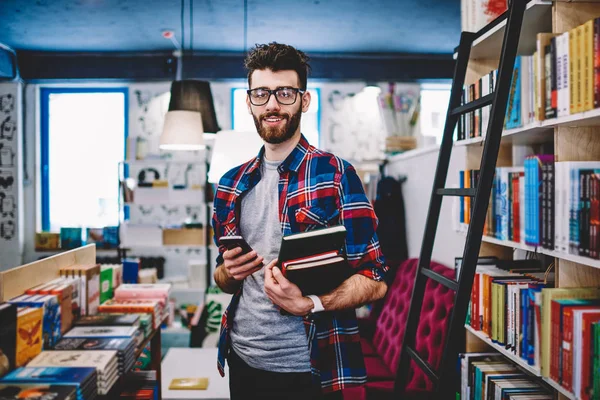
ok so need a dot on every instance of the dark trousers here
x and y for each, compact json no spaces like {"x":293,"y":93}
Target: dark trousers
{"x":247,"y":383}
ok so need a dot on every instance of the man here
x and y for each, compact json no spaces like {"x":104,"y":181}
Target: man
{"x":311,"y":350}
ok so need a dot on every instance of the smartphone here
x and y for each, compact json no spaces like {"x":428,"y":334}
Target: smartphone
{"x":231,"y":242}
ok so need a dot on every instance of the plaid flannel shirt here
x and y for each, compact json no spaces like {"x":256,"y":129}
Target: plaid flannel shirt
{"x":316,"y":189}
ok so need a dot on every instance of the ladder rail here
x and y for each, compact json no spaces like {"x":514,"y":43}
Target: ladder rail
{"x":489,"y":158}
{"x":435,"y":203}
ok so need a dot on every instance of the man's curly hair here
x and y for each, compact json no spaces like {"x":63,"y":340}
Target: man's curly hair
{"x":277,"y":57}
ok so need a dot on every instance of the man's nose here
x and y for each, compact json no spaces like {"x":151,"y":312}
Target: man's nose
{"x":272,"y":104}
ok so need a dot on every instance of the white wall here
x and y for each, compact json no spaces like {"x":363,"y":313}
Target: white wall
{"x":11,"y":172}
{"x":419,"y":168}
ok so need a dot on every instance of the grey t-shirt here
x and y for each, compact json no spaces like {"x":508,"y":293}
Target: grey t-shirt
{"x":260,"y":335}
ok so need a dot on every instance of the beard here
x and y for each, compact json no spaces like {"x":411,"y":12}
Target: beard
{"x":279,"y":134}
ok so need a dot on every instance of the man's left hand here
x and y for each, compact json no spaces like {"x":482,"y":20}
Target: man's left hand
{"x":284,"y":293}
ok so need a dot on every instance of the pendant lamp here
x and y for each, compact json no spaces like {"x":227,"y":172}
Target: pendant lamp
{"x":191,"y":113}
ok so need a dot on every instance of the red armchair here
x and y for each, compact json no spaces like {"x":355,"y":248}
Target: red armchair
{"x":382,"y":349}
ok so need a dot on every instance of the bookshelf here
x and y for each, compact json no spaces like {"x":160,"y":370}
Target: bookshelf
{"x":521,"y":363}
{"x":574,"y":137}
{"x":590,"y":262}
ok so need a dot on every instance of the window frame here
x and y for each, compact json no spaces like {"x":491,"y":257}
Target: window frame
{"x":45,"y":93}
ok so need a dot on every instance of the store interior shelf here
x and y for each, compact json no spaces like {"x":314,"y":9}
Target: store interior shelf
{"x":586,"y":118}
{"x":537,"y":18}
{"x":515,"y":359}
{"x":562,"y":390}
{"x":533,"y":133}
{"x":590,"y":262}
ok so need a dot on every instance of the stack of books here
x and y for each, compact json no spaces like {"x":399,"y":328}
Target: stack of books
{"x":97,"y":332}
{"x":152,"y":307}
{"x":83,"y":378}
{"x":89,"y":285}
{"x":125,"y":348}
{"x":51,"y":321}
{"x":105,"y":363}
{"x":146,"y":291}
{"x":489,"y":376}
{"x":140,"y":385}
{"x":17,"y":391}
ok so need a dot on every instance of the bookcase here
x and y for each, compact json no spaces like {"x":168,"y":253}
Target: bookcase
{"x":575,"y":137}
{"x":164,"y":211}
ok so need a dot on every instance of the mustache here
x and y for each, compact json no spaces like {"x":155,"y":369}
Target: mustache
{"x":273,"y":114}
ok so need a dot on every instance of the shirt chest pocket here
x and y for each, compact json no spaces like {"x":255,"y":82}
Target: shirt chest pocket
{"x":227,"y":221}
{"x":315,"y":217}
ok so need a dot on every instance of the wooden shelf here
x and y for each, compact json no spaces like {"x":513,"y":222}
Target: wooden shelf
{"x":513,"y":358}
{"x":537,"y":18}
{"x":562,"y":390}
{"x":590,"y":262}
{"x":533,"y":133}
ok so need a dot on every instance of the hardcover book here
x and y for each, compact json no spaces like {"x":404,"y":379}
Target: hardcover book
{"x":29,"y":334}
{"x":35,"y":391}
{"x":313,"y":260}
{"x":102,"y":331}
{"x":109,"y":320}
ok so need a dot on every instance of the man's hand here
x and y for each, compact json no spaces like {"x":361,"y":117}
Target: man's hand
{"x":284,"y":293}
{"x":239,"y":266}
{"x":235,"y":269}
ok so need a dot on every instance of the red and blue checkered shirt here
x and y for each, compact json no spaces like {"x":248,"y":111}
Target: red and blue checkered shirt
{"x":316,"y":189}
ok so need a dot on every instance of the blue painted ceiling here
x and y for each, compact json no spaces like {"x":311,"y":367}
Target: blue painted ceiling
{"x":327,"y":26}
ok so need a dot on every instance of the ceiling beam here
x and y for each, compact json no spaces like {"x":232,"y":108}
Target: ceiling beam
{"x":41,"y":66}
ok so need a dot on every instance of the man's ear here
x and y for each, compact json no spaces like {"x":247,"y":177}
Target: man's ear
{"x":249,"y":105}
{"x":305,"y":101}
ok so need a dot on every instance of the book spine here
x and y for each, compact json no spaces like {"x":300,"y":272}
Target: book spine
{"x":554,"y":340}
{"x":510,"y":207}
{"x":544,"y":199}
{"x":567,"y":345}
{"x":553,"y":74}
{"x":551,"y":205}
{"x":579,"y":66}
{"x":588,"y":30}
{"x":597,"y":63}
{"x":581,"y":213}
{"x":461,"y":180}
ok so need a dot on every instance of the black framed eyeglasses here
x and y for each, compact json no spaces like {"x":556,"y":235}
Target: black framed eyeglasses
{"x":285,"y":95}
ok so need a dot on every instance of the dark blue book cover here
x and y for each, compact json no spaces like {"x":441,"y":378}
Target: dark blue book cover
{"x":36,"y":391}
{"x":56,"y":375}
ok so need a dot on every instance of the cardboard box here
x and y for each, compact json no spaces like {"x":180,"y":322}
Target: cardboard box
{"x":184,"y":237}
{"x":47,"y":241}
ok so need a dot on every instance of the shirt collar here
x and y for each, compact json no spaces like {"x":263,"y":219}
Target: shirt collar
{"x":292,"y":161}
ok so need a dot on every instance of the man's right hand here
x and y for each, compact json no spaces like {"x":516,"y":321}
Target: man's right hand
{"x":239,"y":266}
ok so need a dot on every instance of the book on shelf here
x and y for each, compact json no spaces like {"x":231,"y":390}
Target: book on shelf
{"x":558,"y":79}
{"x":105,"y":363}
{"x":41,"y":391}
{"x":109,"y":320}
{"x":314,"y":260}
{"x":83,"y":378}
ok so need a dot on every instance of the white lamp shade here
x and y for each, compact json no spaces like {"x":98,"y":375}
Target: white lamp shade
{"x":232,"y":148}
{"x":182,"y":131}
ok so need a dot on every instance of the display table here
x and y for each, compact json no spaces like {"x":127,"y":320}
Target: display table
{"x":194,"y":363}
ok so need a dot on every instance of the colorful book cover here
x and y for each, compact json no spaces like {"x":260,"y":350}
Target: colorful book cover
{"x":29,"y":334}
{"x":513,"y":117}
{"x":106,"y":283}
{"x":8,"y":334}
{"x":51,"y":328}
{"x":102,"y":331}
{"x":109,"y":320}
{"x":37,"y":391}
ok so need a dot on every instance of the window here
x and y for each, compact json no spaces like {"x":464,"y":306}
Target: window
{"x":434,"y":105}
{"x":310,"y":125}
{"x":83,"y":133}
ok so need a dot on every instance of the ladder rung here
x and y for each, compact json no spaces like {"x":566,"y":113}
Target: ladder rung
{"x":441,"y":279}
{"x":468,"y":192}
{"x":424,"y":365}
{"x":474,"y":105}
